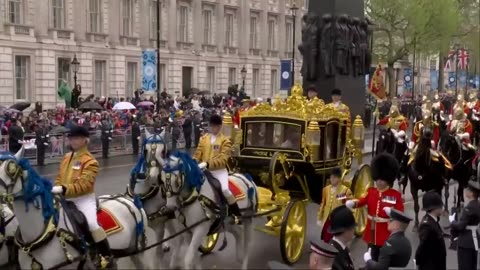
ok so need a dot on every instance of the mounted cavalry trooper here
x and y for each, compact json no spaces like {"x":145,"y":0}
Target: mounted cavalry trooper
{"x":385,"y":169}
{"x":427,"y":121}
{"x":396,"y":122}
{"x":461,"y":127}
{"x":76,"y":181}
{"x":467,"y":229}
{"x":213,"y":152}
{"x":460,"y":104}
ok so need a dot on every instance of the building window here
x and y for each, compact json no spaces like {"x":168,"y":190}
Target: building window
{"x":183,"y":24}
{"x":15,"y":11}
{"x":131,"y":78}
{"x":232,"y":76}
{"x":100,"y":77}
{"x":211,"y":79}
{"x":22,"y":65}
{"x":255,"y":81}
{"x":95,"y":12}
{"x":128,"y":8}
{"x":253,"y":32}
{"x":229,"y":28}
{"x":207,"y":26}
{"x":288,"y":36}
{"x":274,"y":81}
{"x":153,"y":19}
{"x":58,"y":14}
{"x":63,"y":71}
{"x":272,"y":44}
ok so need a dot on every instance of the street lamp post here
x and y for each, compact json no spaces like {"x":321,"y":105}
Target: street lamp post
{"x":158,"y":56}
{"x":294,"y":9}
{"x":75,"y":65}
{"x":243,"y":72}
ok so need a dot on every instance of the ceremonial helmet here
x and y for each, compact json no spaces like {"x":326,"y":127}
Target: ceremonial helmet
{"x":435,"y":97}
{"x":427,"y":111}
{"x":394,"y":111}
{"x":385,"y":167}
{"x":458,"y":114}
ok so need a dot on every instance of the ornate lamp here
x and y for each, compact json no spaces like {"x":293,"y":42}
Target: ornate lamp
{"x":227,"y":128}
{"x":313,"y":140}
{"x":358,"y":132}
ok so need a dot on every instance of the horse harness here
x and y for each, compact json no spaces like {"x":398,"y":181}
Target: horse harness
{"x":152,"y":192}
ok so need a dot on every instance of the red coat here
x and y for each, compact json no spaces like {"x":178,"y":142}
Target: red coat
{"x":477,"y":106}
{"x":399,"y":124}
{"x":375,"y":202}
{"x":466,"y":110}
{"x":468,"y":128}
{"x":417,"y":131}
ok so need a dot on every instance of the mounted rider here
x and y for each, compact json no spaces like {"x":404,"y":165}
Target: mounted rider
{"x":428,"y":121}
{"x":461,"y":127}
{"x":213,"y":152}
{"x":459,"y":104}
{"x":396,"y":122}
{"x":76,"y":181}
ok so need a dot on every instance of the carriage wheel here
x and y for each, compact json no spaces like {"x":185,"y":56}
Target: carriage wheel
{"x":278,"y":170}
{"x":209,"y":244}
{"x":362,"y":180}
{"x":293,"y":231}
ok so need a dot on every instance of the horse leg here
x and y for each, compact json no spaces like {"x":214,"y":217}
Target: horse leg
{"x":460,"y":199}
{"x":416,"y":206}
{"x":197,"y":238}
{"x":447,"y":195}
{"x":247,"y":234}
{"x":235,"y":231}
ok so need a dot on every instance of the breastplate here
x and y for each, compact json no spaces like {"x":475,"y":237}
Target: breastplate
{"x":395,"y":122}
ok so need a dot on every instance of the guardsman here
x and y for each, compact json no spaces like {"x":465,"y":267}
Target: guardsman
{"x":213,"y":152}
{"x":333,"y":195}
{"x":41,"y":140}
{"x":76,"y":181}
{"x":467,"y":229}
{"x":384,"y":169}
{"x":461,"y":126}
{"x":343,"y":228}
{"x":394,"y":120}
{"x":431,"y":253}
{"x":437,"y":104}
{"x":397,"y":249}
{"x":429,"y":122}
{"x":106,"y":137}
{"x":322,"y":255}
{"x":459,"y":104}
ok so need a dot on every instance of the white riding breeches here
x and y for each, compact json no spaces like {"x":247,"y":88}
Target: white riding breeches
{"x":222,"y":176}
{"x":88,"y":206}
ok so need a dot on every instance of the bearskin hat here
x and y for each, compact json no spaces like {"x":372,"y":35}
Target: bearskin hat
{"x":385,"y":167}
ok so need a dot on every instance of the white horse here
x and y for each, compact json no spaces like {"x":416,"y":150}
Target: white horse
{"x":46,"y":236}
{"x":8,"y":226}
{"x":198,"y":206}
{"x":145,"y":183}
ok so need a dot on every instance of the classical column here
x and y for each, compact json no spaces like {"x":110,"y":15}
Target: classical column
{"x":244,"y":27}
{"x":114,"y":22}
{"x":197,"y":25}
{"x":145,"y":23}
{"x":221,"y":26}
{"x":264,"y":28}
{"x":41,"y":23}
{"x":282,"y":48}
{"x":172,"y":24}
{"x":80,"y":19}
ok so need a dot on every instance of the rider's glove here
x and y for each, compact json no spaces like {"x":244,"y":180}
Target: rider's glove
{"x":367,"y":256}
{"x":203,"y":165}
{"x":58,"y":190}
{"x":451,"y":218}
{"x":350,"y":204}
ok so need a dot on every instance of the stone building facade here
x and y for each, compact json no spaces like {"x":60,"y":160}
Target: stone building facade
{"x":204,"y":44}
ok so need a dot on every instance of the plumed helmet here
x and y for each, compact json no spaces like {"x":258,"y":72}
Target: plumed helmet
{"x":459,"y":114}
{"x":394,"y":112}
{"x":385,"y":167}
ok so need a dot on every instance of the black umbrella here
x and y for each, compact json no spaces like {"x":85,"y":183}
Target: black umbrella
{"x":90,"y":106}
{"x":194,"y":91}
{"x":21,"y":106}
{"x":205,"y":92}
{"x":223,"y":95}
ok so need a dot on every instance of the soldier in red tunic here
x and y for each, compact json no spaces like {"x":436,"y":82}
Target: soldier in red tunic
{"x":385,"y":169}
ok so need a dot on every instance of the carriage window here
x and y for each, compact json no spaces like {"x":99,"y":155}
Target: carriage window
{"x":273,"y":135}
{"x":343,"y":140}
{"x":331,"y":143}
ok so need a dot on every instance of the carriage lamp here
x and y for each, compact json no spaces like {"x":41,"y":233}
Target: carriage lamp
{"x":313,"y":140}
{"x":227,"y":125}
{"x":358,"y":132}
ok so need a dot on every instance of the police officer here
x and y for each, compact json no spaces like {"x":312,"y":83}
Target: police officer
{"x":322,"y":255}
{"x":343,"y":229}
{"x":106,"y":137}
{"x":431,"y":253}
{"x":41,"y":140}
{"x":397,"y":249}
{"x":135,"y":135}
{"x":467,"y":229}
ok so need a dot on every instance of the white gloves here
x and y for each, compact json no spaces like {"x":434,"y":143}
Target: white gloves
{"x":202,"y":165}
{"x":411,"y":145}
{"x":350,"y":204}
{"x":138,"y":138}
{"x":451,"y":218}
{"x":319,"y":223}
{"x":367,"y":256}
{"x":57,"y":190}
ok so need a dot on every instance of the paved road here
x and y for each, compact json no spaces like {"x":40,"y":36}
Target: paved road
{"x":113,"y":178}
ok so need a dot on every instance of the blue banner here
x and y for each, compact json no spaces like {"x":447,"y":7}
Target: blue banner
{"x":451,"y":79}
{"x":462,"y":79}
{"x":149,"y":70}
{"x":407,"y":78}
{"x":434,"y":79}
{"x":286,"y":74}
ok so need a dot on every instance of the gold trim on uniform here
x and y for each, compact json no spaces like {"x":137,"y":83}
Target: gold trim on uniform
{"x":216,"y":154}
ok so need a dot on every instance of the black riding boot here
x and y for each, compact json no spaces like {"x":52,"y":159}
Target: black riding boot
{"x":105,"y":260}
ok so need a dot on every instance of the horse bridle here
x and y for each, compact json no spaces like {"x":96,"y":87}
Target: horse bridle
{"x":13,"y":170}
{"x":179,"y":184}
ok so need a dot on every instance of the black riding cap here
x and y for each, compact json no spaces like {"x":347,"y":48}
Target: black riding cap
{"x":78,"y":131}
{"x":336,"y":92}
{"x":385,"y":167}
{"x":216,"y":120}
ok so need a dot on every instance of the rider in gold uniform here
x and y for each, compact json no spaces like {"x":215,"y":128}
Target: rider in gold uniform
{"x":76,"y":180}
{"x":213,"y":152}
{"x":426,"y":121}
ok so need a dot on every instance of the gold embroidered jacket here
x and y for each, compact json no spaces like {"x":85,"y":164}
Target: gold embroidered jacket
{"x":77,"y":173}
{"x":333,"y":199}
{"x":216,"y":154}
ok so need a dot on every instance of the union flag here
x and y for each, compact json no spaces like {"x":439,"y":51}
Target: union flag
{"x":376,"y":87}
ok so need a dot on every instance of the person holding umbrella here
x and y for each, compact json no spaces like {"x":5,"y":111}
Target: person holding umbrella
{"x":15,"y":136}
{"x":41,"y":140}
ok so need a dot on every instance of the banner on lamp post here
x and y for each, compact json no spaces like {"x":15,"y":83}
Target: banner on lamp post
{"x":149,"y":70}
{"x":286,"y":74}
{"x":407,"y":78}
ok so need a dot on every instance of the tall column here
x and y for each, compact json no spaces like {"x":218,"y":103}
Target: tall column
{"x":80,"y":21}
{"x":114,"y":21}
{"x":145,"y":23}
{"x":282,"y":48}
{"x":172,"y":24}
{"x":264,"y":28}
{"x":197,"y":24}
{"x":41,"y":23}
{"x":244,"y":27}
{"x":221,"y":26}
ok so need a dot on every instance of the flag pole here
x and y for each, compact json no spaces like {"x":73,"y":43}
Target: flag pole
{"x":456,"y":70}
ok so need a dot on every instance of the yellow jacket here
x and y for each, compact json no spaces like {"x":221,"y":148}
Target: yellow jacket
{"x":333,"y":199}
{"x":216,"y":154}
{"x":77,"y":173}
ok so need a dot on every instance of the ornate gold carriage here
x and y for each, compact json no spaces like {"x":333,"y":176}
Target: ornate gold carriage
{"x":289,"y":148}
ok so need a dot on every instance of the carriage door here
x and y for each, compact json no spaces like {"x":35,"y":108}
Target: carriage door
{"x":187,"y":73}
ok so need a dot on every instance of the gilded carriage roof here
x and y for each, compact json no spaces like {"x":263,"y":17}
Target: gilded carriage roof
{"x":296,"y":106}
